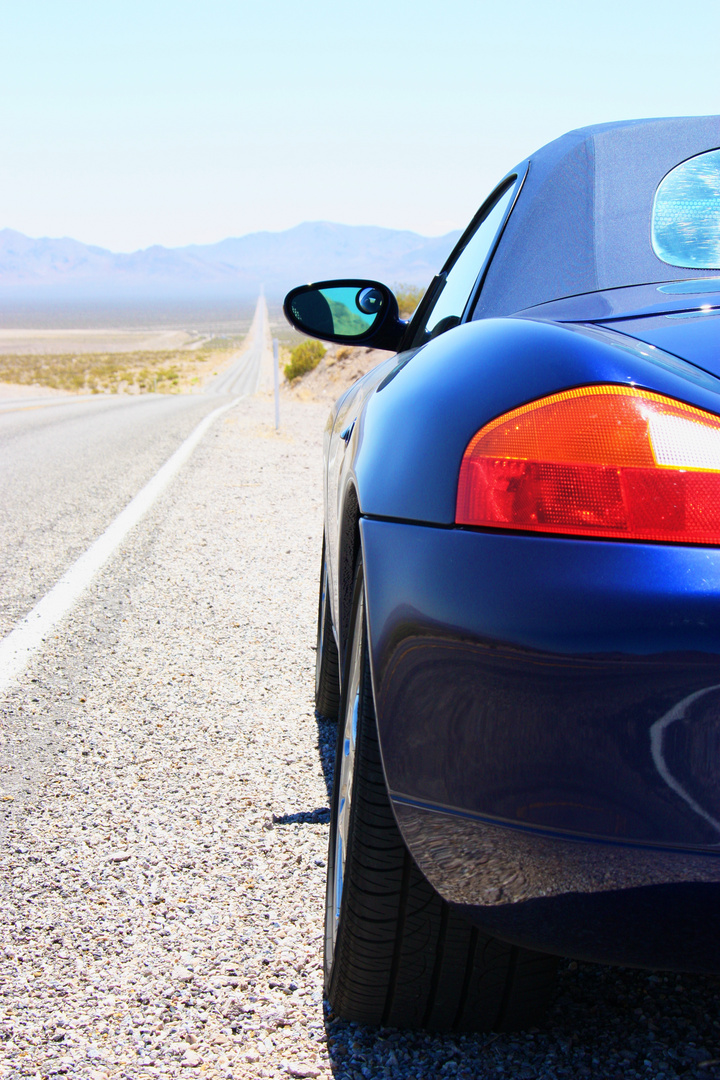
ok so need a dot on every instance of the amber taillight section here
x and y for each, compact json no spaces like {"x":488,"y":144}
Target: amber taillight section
{"x":597,"y":461}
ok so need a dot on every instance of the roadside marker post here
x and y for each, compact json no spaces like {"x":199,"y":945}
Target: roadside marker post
{"x":276,"y":382}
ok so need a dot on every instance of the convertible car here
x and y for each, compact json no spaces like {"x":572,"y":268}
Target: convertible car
{"x":519,"y":622}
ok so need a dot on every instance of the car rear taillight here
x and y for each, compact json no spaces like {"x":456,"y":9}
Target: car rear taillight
{"x":597,"y":461}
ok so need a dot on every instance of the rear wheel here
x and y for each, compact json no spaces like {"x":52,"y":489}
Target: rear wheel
{"x":395,"y":952}
{"x":327,"y":680}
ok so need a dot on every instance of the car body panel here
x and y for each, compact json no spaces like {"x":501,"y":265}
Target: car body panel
{"x":339,"y":454}
{"x":520,"y":678}
{"x":631,"y":301}
{"x":549,"y":717}
{"x":692,"y":335}
{"x":414,"y":428}
{"x":608,"y":903}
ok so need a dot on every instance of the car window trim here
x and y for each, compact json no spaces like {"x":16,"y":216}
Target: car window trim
{"x":428,"y":301}
{"x":478,"y":286}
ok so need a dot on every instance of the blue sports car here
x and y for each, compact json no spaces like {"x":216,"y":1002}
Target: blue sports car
{"x":519,"y":622}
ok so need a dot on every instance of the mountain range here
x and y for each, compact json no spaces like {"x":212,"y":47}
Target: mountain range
{"x":33,"y":269}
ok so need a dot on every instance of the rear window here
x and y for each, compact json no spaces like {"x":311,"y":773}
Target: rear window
{"x":686,"y":214}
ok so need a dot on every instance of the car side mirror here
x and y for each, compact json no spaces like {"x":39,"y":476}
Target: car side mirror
{"x":351,"y":311}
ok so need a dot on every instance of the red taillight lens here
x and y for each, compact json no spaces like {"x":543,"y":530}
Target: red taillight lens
{"x":597,"y":461}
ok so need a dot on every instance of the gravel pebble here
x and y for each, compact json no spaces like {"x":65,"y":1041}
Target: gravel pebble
{"x":163,"y":836}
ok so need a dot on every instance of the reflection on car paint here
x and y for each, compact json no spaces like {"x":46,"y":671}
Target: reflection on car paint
{"x":658,"y":732}
{"x":616,"y":903}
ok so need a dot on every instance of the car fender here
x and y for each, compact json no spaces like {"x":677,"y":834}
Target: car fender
{"x":340,"y":498}
{"x":416,"y":422}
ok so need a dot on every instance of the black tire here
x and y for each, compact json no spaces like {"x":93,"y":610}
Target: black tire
{"x":327,"y":677}
{"x":396,"y":953}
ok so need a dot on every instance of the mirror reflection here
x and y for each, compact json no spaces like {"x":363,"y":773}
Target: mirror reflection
{"x":342,"y":310}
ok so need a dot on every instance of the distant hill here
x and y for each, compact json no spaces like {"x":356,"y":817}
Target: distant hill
{"x":46,"y":270}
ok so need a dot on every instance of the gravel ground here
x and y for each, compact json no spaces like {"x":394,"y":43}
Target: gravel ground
{"x":164,"y":822}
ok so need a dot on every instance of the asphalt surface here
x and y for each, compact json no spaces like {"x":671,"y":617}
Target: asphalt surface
{"x":70,"y":465}
{"x":244,"y":376}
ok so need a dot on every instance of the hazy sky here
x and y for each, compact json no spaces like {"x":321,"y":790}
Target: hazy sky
{"x":127,"y":123}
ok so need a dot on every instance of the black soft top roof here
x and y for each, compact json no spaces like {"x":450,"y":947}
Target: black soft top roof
{"x":582,"y":220}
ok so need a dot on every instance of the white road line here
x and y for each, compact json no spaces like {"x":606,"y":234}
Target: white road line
{"x":27,"y":637}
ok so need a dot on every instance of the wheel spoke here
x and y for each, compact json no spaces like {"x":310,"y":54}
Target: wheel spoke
{"x":347,"y":765}
{"x":321,"y":627}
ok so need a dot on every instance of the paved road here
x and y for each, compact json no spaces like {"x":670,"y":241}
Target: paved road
{"x":244,"y":376}
{"x":70,"y":465}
